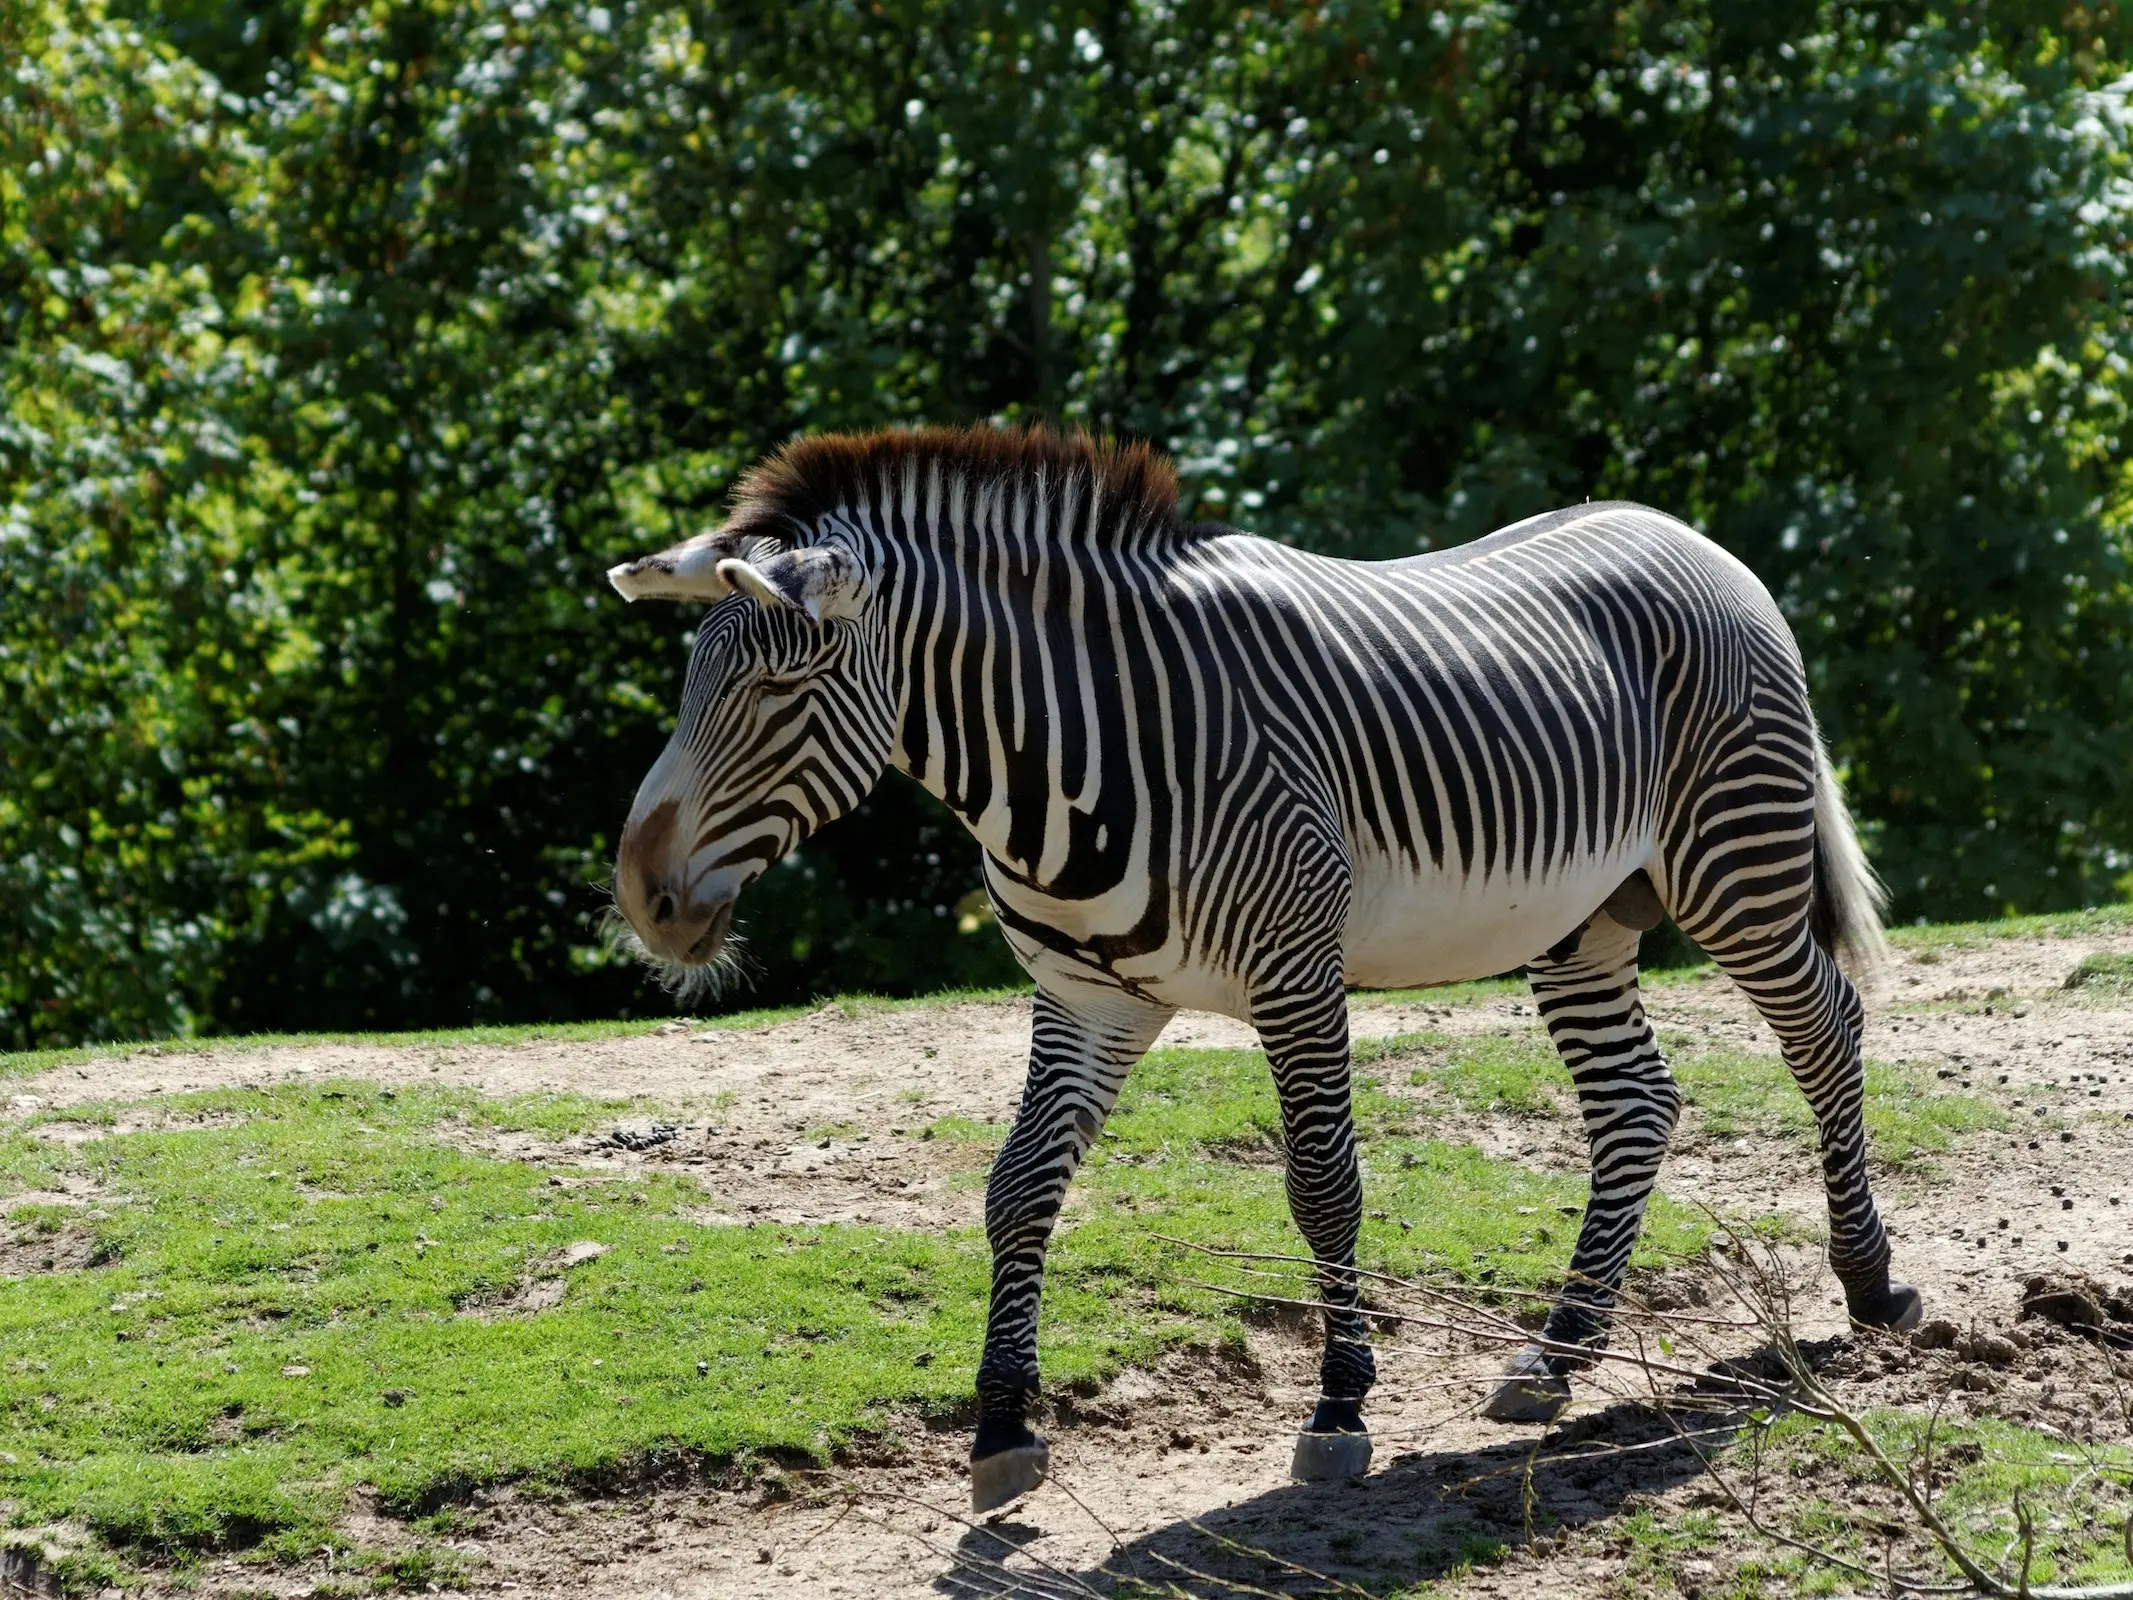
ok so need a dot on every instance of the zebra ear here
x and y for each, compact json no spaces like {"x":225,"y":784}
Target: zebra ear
{"x":824,"y":580}
{"x":687,"y":571}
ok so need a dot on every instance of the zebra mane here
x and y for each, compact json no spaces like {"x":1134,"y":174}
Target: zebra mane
{"x":1136,"y":484}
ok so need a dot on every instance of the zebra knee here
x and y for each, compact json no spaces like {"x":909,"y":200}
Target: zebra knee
{"x":1019,"y":1215}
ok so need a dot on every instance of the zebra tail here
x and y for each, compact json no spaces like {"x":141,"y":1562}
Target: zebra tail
{"x":1849,"y":895}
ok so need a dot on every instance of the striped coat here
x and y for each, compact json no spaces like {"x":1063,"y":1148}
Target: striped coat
{"x":1211,"y":771}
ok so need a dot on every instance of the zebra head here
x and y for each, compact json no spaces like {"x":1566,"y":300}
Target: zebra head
{"x":786,"y":723}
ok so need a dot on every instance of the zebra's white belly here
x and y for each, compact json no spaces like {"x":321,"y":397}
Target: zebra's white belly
{"x":1408,"y":929}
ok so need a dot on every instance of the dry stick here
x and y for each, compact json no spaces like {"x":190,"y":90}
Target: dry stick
{"x":1506,"y":1331}
{"x":1117,"y":1545}
{"x":1748,"y":1511}
{"x":1710,"y":1467}
{"x":1338,"y":1585}
{"x":1515,"y":1335}
{"x":1771,"y":1297}
{"x":1412,"y":1286}
{"x":960,"y":1556}
{"x":1233,"y":1585}
{"x":1957,"y":1552}
{"x":1767,"y":1295}
{"x":1604,"y":1453}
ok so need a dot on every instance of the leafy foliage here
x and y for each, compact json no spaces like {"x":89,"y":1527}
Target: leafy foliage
{"x":343,"y":347}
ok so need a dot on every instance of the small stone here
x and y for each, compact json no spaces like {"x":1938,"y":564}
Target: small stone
{"x":2066,"y":1205}
{"x":296,"y":1369}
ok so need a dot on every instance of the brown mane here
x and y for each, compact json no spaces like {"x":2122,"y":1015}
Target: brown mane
{"x":793,"y":486}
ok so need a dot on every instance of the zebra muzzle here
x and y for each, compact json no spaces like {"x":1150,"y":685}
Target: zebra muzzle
{"x":685,"y":933}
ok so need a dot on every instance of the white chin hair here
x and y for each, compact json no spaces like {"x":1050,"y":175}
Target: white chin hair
{"x":722,"y":975}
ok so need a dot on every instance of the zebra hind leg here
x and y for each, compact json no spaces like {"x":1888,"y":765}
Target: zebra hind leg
{"x":1588,"y":997}
{"x":1815,"y":1012}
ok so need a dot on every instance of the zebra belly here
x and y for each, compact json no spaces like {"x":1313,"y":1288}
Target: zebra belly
{"x":1409,"y":929}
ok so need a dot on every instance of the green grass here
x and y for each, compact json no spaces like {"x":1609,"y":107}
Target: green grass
{"x":2046,"y":925}
{"x":153,"y":1398}
{"x":2103,"y":978}
{"x":1434,"y":1206}
{"x":1755,"y":1095}
{"x":1737,"y":1093}
{"x":312,"y":1293}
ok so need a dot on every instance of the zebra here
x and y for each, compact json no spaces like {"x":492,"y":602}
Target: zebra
{"x":1209,"y":770}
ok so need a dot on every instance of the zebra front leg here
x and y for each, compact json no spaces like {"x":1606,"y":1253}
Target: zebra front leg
{"x":1588,"y":997}
{"x":1078,"y":1059}
{"x":1306,"y":1039}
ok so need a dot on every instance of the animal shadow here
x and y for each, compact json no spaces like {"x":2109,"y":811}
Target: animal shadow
{"x":1420,"y":1514}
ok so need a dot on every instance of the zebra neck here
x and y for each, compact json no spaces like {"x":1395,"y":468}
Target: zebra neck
{"x":1008,"y":618}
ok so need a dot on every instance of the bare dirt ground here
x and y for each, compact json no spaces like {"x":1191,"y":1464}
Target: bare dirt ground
{"x":798,"y":1122}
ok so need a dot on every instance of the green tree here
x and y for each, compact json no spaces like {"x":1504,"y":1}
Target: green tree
{"x":344,"y":347}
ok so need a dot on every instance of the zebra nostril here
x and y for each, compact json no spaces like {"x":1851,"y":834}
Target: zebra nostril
{"x":663,"y":910}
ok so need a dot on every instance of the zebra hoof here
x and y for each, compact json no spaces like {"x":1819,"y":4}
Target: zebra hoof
{"x":1328,"y":1457}
{"x":1529,"y":1392}
{"x":1896,"y":1308}
{"x":1007,"y":1475}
